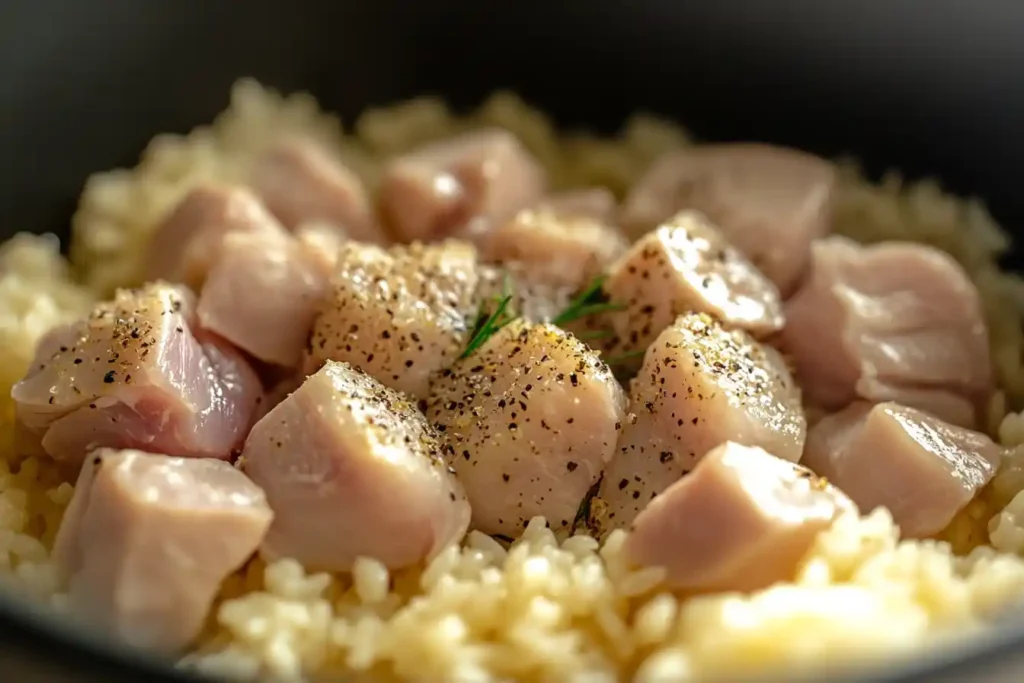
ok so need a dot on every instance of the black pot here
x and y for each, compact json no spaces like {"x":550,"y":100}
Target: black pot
{"x":932,"y":88}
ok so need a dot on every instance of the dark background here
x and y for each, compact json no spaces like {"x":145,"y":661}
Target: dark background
{"x":933,"y":87}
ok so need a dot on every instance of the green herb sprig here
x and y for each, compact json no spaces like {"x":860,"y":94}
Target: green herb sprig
{"x":590,"y":301}
{"x":488,"y":324}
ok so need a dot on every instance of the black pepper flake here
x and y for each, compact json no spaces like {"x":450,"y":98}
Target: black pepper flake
{"x":573,"y":379}
{"x":505,"y":477}
{"x":665,"y":456}
{"x":109,"y":377}
{"x":623,"y":484}
{"x":571,"y":466}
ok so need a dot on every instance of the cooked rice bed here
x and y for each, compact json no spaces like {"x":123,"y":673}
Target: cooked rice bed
{"x":547,"y":609}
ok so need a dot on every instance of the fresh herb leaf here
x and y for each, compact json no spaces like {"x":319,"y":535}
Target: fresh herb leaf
{"x":583,"y":511}
{"x":590,"y":301}
{"x":622,"y":357}
{"x":595,"y":334}
{"x":487,"y":324}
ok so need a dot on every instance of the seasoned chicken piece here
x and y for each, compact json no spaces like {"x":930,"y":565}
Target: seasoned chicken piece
{"x":893,"y":321}
{"x":264,"y":294}
{"x":137,"y":374}
{"x":147,"y":540}
{"x":397,"y":315}
{"x":530,"y":419}
{"x":301,"y":184}
{"x":188,"y":242}
{"x":562,"y":250}
{"x":700,"y":386}
{"x":686,"y":266}
{"x":533,"y":297}
{"x":461,"y":187}
{"x":769,"y":201}
{"x":742,"y":520}
{"x":922,"y":469}
{"x":596,"y":203}
{"x":352,"y":469}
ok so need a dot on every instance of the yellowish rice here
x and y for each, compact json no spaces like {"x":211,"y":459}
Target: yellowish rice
{"x":546,"y":609}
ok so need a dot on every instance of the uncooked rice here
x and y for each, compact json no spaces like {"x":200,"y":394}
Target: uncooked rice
{"x":547,"y":608}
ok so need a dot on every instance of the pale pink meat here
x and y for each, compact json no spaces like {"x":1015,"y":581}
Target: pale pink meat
{"x":138,"y":374}
{"x":889,"y":322}
{"x":530,"y":420}
{"x":461,"y":187}
{"x":700,"y":386}
{"x":922,"y":469}
{"x":352,"y":469}
{"x":563,"y":250}
{"x":188,"y":241}
{"x":686,"y":265}
{"x":302,"y":185}
{"x":742,"y":520}
{"x":399,"y":315}
{"x":770,"y":202}
{"x":264,"y":294}
{"x":147,"y":540}
{"x":596,"y":203}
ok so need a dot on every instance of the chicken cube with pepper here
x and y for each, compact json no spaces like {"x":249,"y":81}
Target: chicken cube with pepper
{"x":352,"y":469}
{"x":700,"y":385}
{"x":530,"y":419}
{"x":139,"y":373}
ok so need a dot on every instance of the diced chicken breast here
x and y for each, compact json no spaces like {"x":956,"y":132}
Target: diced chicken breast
{"x":532,"y":296}
{"x":461,"y":187}
{"x":742,"y":520}
{"x":264,"y":294}
{"x":302,"y":184}
{"x":137,"y":374}
{"x":596,"y":203}
{"x":530,"y":419}
{"x":686,"y":265}
{"x":398,"y":315}
{"x":147,"y":540}
{"x":922,"y":469}
{"x":352,"y":469}
{"x":893,"y":321}
{"x":769,"y":201}
{"x":188,"y":242}
{"x":567,"y":251}
{"x":700,"y":386}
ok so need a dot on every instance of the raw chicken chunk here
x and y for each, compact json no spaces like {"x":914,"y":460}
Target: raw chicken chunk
{"x":922,"y":469}
{"x":530,"y":420}
{"x":769,"y":201}
{"x":136,"y":374}
{"x":188,"y":242}
{"x":700,"y":386}
{"x":398,"y":315}
{"x":264,"y":294}
{"x":596,"y":203}
{"x":564,"y":251}
{"x":301,"y":184}
{"x":686,"y":266}
{"x":461,"y":187}
{"x":894,"y":321}
{"x":351,"y":468}
{"x":148,"y":539}
{"x":742,"y":520}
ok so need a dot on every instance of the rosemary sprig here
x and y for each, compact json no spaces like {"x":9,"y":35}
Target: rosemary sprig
{"x":487,"y":324}
{"x":621,"y":357}
{"x":590,"y":301}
